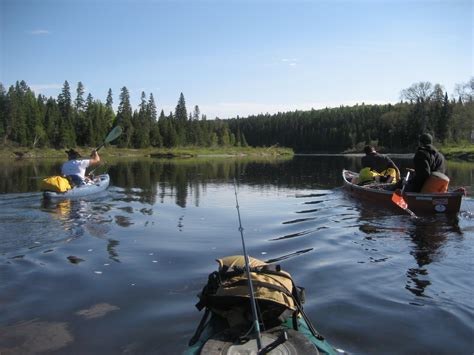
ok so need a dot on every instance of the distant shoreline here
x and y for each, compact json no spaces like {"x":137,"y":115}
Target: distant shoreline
{"x":456,"y":153}
{"x":459,"y":154}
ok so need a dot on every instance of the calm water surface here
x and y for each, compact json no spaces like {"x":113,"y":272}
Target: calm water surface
{"x":118,"y":273}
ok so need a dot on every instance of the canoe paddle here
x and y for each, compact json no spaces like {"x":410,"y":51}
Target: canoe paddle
{"x":397,"y":197}
{"x":113,"y":134}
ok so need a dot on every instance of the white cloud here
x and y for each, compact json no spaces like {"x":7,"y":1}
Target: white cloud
{"x":39,"y":32}
{"x":292,"y":62}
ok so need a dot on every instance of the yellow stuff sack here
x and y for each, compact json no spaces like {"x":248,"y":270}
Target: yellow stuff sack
{"x":390,"y":172}
{"x":55,"y":184}
{"x":366,"y":175}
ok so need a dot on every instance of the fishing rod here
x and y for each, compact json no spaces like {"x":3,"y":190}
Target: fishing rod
{"x":91,"y":173}
{"x":249,"y":278}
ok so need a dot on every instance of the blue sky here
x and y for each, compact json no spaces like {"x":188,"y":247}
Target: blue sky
{"x":237,"y":57}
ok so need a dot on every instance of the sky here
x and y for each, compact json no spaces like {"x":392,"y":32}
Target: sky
{"x":233,"y":57}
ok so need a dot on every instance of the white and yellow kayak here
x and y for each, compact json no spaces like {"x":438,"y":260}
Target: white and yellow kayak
{"x":98,"y":184}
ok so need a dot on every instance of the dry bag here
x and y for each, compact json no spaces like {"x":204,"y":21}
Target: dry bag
{"x":55,"y":184}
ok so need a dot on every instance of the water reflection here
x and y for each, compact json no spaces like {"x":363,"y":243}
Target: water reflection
{"x":149,"y":180}
{"x":80,"y":217}
{"x":428,"y":237}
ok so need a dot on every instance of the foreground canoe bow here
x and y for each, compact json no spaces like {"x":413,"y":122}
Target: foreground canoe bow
{"x":98,"y":184}
{"x":226,"y":326}
{"x":419,"y":203}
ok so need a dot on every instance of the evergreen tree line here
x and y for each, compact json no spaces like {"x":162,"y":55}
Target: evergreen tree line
{"x":36,"y":121}
{"x":424,"y":108}
{"x":28,"y":120}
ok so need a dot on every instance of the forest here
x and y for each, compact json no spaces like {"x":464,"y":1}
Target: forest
{"x":27,"y":120}
{"x":424,"y":108}
{"x":35,"y":121}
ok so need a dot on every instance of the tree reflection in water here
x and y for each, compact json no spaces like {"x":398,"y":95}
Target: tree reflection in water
{"x":428,"y":237}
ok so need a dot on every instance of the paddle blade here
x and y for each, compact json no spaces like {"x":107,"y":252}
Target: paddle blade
{"x":113,"y":134}
{"x":398,"y":199}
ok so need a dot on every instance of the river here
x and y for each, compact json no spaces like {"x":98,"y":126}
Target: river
{"x":118,"y":273}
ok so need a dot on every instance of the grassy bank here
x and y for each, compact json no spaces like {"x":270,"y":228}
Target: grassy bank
{"x":183,"y":152}
{"x":460,"y":152}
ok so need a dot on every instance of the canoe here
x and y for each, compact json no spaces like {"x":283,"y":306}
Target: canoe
{"x":419,"y":203}
{"x":293,"y":334}
{"x":98,"y":184}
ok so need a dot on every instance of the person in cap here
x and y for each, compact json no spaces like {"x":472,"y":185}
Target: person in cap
{"x":427,"y":160}
{"x":381,"y":164}
{"x":75,"y":168}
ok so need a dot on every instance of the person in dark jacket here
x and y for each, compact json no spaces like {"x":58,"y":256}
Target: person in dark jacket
{"x":378,"y":162}
{"x":427,"y":160}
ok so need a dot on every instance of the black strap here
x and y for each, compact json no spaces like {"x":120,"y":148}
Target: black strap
{"x":200,"y":328}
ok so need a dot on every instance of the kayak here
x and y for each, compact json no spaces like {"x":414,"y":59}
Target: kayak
{"x":301,"y":341}
{"x":96,"y":185}
{"x":419,"y":203}
{"x":225,"y":327}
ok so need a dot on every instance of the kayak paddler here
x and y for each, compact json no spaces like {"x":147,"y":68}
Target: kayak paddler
{"x":75,"y":168}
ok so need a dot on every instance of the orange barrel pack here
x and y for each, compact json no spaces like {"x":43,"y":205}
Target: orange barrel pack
{"x":436,"y":183}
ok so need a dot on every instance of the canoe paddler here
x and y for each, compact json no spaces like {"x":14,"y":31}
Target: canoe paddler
{"x":430,"y":167}
{"x":378,"y":167}
{"x":75,"y":168}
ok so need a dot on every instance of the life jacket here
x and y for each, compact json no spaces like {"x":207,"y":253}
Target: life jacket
{"x":367,"y":175}
{"x":55,"y":184}
{"x":437,"y":182}
{"x":227,"y":293}
{"x":390,"y":172}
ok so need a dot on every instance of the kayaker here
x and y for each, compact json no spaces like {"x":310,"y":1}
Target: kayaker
{"x":75,"y":168}
{"x":377,"y":166}
{"x":427,"y":160}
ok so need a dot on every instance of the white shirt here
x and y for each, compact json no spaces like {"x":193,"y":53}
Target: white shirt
{"x":75,"y":167}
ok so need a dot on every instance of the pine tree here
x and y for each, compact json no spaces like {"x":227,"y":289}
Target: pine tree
{"x":79,"y":103}
{"x":443,"y":120}
{"x":142,"y":125}
{"x":34,"y":122}
{"x":196,"y":113}
{"x":52,"y":120}
{"x":109,"y":115}
{"x":3,"y":113}
{"x":156,"y":140}
{"x":66,"y":128}
{"x":180,"y":111}
{"x":109,"y":102}
{"x":124,"y":119}
{"x":16,"y":117}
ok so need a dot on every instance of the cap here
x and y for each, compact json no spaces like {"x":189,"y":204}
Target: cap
{"x":73,"y":154}
{"x":369,"y":149}
{"x":426,"y":138}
